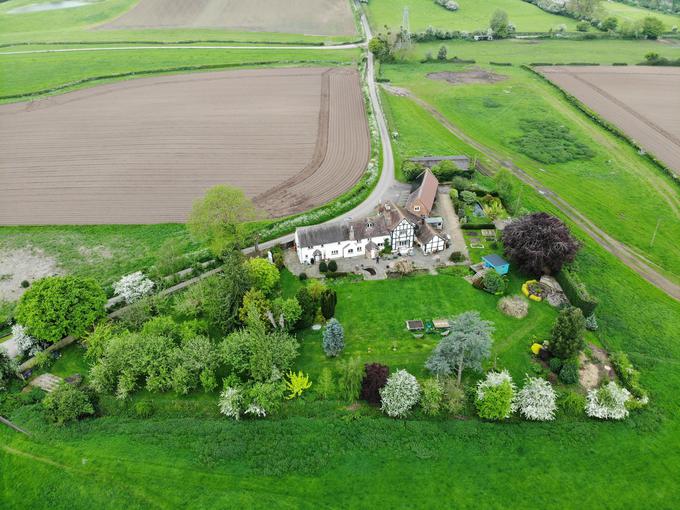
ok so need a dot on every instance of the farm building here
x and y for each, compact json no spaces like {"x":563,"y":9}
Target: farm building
{"x":421,"y":200}
{"x":367,"y":236}
{"x":393,"y":226}
{"x":497,"y":263}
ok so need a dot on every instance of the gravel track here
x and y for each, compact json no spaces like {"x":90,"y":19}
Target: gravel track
{"x":154,"y":145}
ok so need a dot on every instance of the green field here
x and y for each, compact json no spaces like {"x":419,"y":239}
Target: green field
{"x":492,"y":114}
{"x":628,"y":13}
{"x":472,"y":15}
{"x":25,"y":74}
{"x":75,"y":25}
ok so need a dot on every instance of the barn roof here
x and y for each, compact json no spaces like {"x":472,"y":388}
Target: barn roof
{"x":426,"y":192}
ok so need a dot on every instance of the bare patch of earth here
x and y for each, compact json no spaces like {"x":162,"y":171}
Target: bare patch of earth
{"x":596,"y":370}
{"x":23,"y":264}
{"x":467,"y":77}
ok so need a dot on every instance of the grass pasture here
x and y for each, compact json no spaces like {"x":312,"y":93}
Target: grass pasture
{"x":629,"y":13}
{"x":644,"y":194}
{"x":472,"y":15}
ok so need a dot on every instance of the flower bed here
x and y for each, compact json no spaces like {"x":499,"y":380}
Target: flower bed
{"x":533,"y":290}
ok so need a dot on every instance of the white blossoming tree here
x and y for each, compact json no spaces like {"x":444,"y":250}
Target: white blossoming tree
{"x":230,"y":402}
{"x":133,"y":287}
{"x":24,"y":341}
{"x":400,"y":394}
{"x":608,"y":402}
{"x":537,"y":400}
{"x":496,"y":396}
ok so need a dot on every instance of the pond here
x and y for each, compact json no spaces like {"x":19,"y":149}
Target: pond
{"x":50,"y":6}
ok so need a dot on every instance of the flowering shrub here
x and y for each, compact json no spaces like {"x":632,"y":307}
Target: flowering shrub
{"x":495,"y":396}
{"x":400,"y":394}
{"x":133,"y":287}
{"x":536,"y":401}
{"x":25,"y":342}
{"x":230,"y":402}
{"x":608,"y":402}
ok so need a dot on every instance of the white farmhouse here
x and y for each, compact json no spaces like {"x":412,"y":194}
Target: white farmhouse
{"x":367,"y":236}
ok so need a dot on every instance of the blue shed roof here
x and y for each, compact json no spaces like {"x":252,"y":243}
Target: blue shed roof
{"x":494,"y":260}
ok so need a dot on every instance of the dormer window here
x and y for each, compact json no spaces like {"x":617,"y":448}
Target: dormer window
{"x":416,"y":208}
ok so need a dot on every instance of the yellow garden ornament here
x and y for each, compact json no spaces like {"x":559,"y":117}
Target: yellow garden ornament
{"x":536,"y":348}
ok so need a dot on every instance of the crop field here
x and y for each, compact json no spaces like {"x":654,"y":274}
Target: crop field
{"x":292,"y":139}
{"x":642,"y":101}
{"x":314,"y":17}
{"x":21,"y":23}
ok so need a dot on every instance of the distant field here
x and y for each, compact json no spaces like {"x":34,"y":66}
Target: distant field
{"x":629,"y":13}
{"x":314,"y":17}
{"x":642,"y":101}
{"x":472,"y":15}
{"x":157,"y":144}
{"x":78,"y":24}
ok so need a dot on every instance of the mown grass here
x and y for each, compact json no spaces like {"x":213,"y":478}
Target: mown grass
{"x":373,"y":314}
{"x":76,"y":25}
{"x":472,"y":15}
{"x":25,"y":74}
{"x":643,"y":193}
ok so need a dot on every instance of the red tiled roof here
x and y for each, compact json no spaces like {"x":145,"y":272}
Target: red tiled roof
{"x":426,"y":192}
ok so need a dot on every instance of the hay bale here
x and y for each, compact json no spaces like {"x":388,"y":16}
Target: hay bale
{"x":514,"y":306}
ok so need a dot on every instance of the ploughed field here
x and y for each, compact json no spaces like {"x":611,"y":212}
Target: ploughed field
{"x":642,"y":101}
{"x":141,"y":151}
{"x":312,"y":17}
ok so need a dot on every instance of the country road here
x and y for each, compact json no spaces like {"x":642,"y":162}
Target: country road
{"x":633,"y":260}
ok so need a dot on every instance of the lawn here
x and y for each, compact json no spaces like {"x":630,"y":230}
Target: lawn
{"x":492,"y":114}
{"x":25,"y":74}
{"x":373,"y":314}
{"x":472,"y":15}
{"x":74,"y":25}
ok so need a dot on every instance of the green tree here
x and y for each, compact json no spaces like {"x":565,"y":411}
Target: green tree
{"x":218,"y":218}
{"x":329,"y":299}
{"x":289,"y":309}
{"x":500,"y":24}
{"x":493,"y":282}
{"x":263,"y":274}
{"x":308,"y":305}
{"x":568,"y":333}
{"x":466,"y":346}
{"x":442,"y":53}
{"x":97,"y":340}
{"x":256,"y":298}
{"x":59,"y":306}
{"x":66,"y":403}
{"x":584,"y":9}
{"x":609,"y":24}
{"x":652,"y":28}
{"x":411,"y":170}
{"x":8,"y":369}
{"x":255,"y":353}
{"x":381,"y":48}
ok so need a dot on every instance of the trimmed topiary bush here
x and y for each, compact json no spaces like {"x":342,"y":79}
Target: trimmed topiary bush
{"x":332,"y":266}
{"x":323,"y":266}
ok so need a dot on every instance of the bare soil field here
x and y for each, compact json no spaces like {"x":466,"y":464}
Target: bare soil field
{"x":310,"y":17}
{"x":142,"y":151}
{"x":643,"y":101}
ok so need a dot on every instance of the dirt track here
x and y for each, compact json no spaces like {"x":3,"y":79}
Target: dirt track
{"x":642,"y":101}
{"x":141,"y":151}
{"x":311,"y":17}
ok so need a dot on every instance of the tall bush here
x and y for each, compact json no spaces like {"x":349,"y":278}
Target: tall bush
{"x":568,"y":333}
{"x":400,"y":394}
{"x":333,"y":338}
{"x":495,"y":396}
{"x":375,"y":378}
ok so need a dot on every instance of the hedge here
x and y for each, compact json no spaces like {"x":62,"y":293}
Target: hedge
{"x":604,"y":124}
{"x":576,"y":291}
{"x":477,"y":226}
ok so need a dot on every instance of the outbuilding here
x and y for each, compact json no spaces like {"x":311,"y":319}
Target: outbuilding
{"x":496,"y":262}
